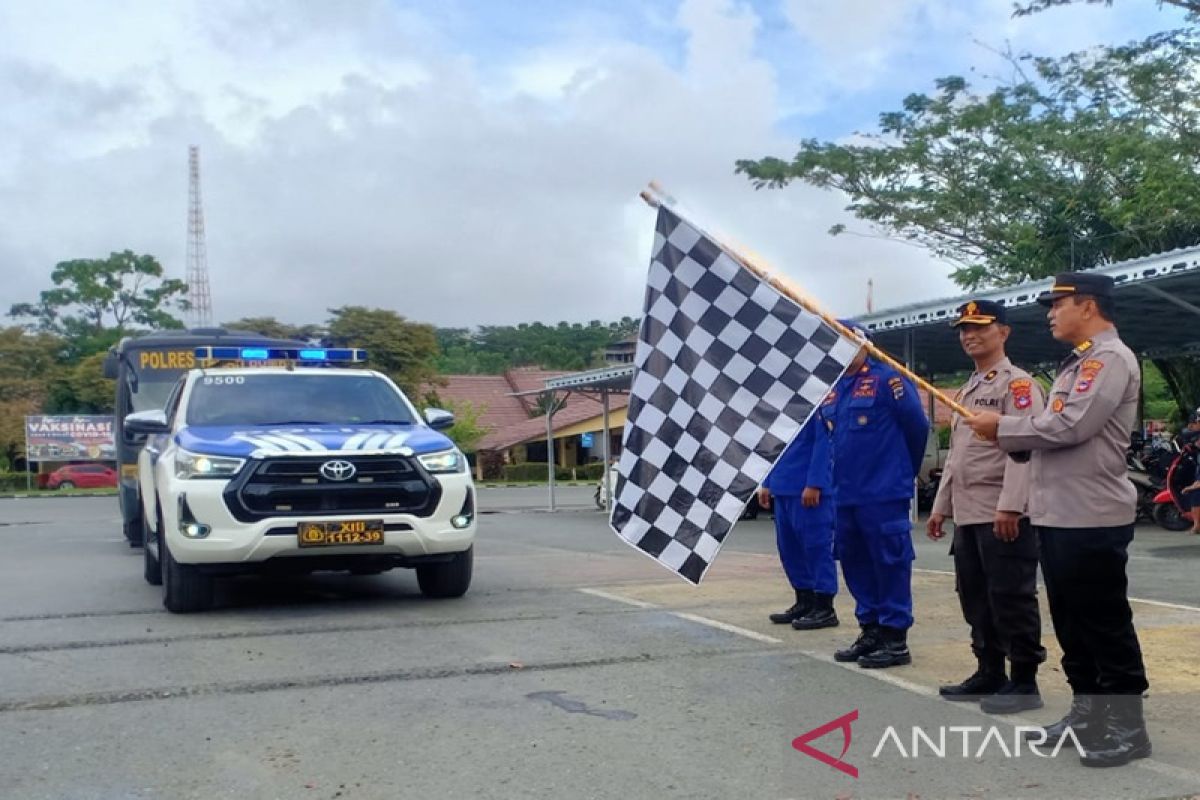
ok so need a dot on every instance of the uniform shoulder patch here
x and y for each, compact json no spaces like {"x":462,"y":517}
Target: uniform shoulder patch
{"x":1088,"y":371}
{"x":1022,"y":392}
{"x":896,"y":384}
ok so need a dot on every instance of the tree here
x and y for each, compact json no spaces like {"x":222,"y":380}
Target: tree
{"x":405,"y":350}
{"x":1036,"y":6}
{"x":96,"y":300}
{"x":82,"y":389}
{"x":269,"y":326}
{"x":1079,"y":161}
{"x":28,"y":364}
{"x":466,"y":430}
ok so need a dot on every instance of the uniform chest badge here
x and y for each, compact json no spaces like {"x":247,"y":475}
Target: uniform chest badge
{"x":1022,"y":392}
{"x":991,"y":376}
{"x":1057,"y":405}
{"x":896,"y":384}
{"x":865,"y":387}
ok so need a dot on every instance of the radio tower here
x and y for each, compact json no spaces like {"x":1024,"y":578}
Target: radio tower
{"x":199,"y":296}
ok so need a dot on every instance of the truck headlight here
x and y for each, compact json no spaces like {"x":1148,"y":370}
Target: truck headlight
{"x":444,"y":462}
{"x":196,"y":465}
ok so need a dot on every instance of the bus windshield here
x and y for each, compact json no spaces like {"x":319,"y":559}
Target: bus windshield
{"x":154,"y":372}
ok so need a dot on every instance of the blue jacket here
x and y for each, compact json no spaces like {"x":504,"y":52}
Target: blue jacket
{"x":807,"y":461}
{"x":879,"y":433}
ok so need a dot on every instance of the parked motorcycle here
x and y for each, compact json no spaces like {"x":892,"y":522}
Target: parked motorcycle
{"x":1148,"y":486}
{"x":1168,"y":511}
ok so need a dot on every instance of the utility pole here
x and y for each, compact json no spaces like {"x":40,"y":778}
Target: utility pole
{"x":200,"y":315}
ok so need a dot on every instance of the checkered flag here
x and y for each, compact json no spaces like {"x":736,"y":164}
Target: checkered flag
{"x":727,"y":372}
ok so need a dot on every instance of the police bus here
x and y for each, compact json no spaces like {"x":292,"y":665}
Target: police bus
{"x":145,"y":368}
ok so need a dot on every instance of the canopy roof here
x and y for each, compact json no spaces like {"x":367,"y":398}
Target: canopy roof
{"x":1158,"y":314}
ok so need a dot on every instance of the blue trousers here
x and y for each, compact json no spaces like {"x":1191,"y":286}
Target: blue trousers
{"x":805,"y":540}
{"x":874,"y":544}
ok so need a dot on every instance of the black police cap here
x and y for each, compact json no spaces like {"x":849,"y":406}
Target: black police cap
{"x":1067,"y":284}
{"x":979,"y":312}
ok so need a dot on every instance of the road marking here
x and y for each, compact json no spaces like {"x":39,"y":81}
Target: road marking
{"x":1166,"y":770}
{"x":725,"y":626}
{"x":616,"y":598}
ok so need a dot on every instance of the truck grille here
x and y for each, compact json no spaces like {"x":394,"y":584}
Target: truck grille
{"x":295,"y":487}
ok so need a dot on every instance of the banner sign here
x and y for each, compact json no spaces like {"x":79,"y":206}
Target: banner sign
{"x":70,"y":438}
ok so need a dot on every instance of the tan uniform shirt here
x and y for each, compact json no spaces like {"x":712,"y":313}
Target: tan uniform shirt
{"x":979,"y":479}
{"x":1079,"y":440}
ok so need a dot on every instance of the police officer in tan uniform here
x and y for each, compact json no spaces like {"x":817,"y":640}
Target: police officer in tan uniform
{"x":995,"y":549}
{"x":1083,"y":507}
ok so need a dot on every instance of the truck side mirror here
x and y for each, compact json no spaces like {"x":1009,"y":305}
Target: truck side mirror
{"x":439,"y":419}
{"x":147,"y":423}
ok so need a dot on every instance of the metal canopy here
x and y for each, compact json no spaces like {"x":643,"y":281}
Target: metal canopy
{"x":611,"y":378}
{"x":1158,"y":314}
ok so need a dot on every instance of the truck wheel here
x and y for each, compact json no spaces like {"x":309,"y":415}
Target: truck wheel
{"x":1168,"y":516}
{"x":450,"y":579}
{"x":151,"y":569}
{"x":185,"y":588}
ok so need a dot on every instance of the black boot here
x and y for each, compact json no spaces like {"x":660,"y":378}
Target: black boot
{"x":891,"y":652}
{"x":867,"y":641}
{"x":799,"y":608}
{"x":1085,"y":720}
{"x":1125,"y":738}
{"x":988,"y":679}
{"x":1019,"y":694}
{"x":820,"y":615}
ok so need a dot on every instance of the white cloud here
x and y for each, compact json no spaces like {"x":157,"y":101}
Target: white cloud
{"x":358,"y":154}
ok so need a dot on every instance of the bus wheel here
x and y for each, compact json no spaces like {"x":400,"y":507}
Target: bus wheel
{"x":133,"y":530}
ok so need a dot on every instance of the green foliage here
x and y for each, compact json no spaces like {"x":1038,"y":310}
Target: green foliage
{"x":943,"y":436}
{"x":466,"y":430}
{"x":404,"y":350}
{"x":93,"y":295}
{"x":1077,"y":162}
{"x":1036,"y":6}
{"x":492,"y":349}
{"x":16,"y":482}
{"x":269,"y":326}
{"x":536,"y":472}
{"x":82,"y":389}
{"x":1080,"y":161}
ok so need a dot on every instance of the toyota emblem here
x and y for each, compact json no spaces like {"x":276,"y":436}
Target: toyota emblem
{"x":338,"y":470}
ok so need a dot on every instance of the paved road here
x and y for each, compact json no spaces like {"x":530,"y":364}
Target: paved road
{"x":575,"y":668}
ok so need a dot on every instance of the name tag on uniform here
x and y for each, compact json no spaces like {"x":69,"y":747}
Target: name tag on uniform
{"x":865,"y":387}
{"x":987,"y":402}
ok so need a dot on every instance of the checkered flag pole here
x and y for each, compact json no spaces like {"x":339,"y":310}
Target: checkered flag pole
{"x":727,"y":371}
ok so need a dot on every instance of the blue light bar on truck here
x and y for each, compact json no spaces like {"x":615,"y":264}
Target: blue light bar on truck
{"x":303,"y":355}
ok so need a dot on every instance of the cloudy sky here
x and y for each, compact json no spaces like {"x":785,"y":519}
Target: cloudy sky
{"x":467,"y":162}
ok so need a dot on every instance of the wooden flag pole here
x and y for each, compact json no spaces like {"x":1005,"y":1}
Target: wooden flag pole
{"x":655,"y":197}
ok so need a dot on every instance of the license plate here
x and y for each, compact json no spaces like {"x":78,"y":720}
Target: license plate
{"x":330,"y":534}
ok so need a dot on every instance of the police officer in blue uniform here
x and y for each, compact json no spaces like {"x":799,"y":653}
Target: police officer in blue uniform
{"x":799,"y":487}
{"x":879,"y":433}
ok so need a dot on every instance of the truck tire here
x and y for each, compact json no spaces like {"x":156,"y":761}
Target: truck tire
{"x":151,"y":569}
{"x":185,"y":588}
{"x":449,"y":579}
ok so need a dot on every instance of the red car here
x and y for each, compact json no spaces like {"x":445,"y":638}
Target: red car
{"x":84,"y":476}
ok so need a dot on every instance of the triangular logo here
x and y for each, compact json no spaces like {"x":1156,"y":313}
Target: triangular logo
{"x":843,"y":722}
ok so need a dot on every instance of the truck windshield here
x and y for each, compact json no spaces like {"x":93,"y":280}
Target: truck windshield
{"x":295,"y":398}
